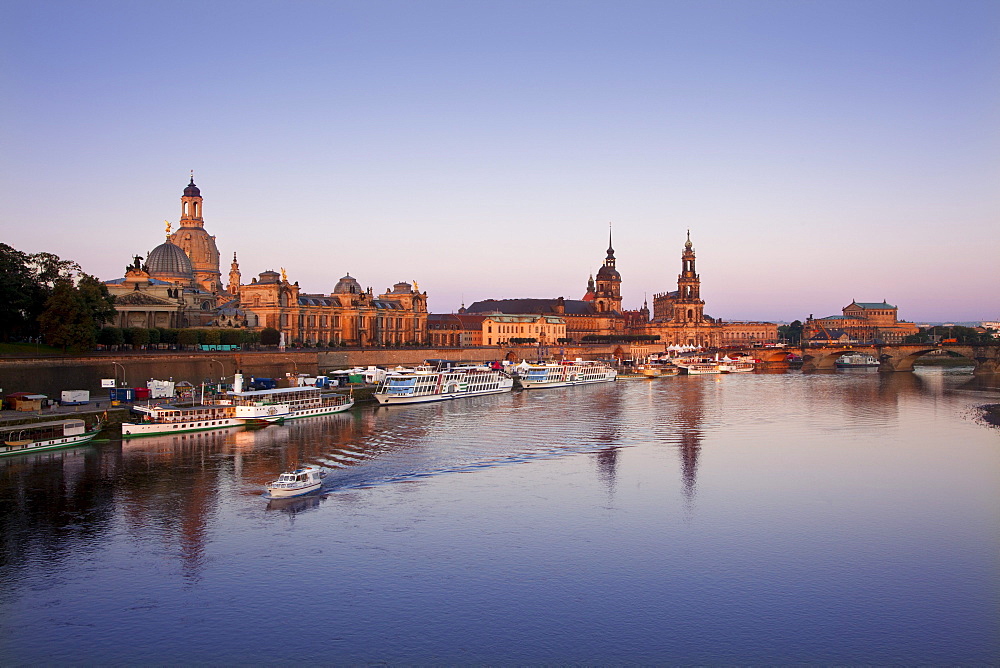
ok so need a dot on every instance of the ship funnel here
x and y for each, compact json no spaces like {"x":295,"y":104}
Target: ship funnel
{"x":238,"y":382}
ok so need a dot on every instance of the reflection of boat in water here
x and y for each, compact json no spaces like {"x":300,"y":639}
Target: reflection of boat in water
{"x":33,"y":437}
{"x":302,"y":480}
{"x":856,"y":360}
{"x":424,"y":385}
{"x":580,"y":372}
{"x":295,"y":504}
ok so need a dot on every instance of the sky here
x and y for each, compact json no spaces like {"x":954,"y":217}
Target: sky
{"x":818,"y":152}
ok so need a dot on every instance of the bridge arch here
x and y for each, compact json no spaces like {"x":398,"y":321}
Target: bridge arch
{"x":904,"y":360}
{"x":823,"y":359}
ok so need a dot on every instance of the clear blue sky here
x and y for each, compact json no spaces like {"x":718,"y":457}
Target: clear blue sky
{"x":819,"y":151}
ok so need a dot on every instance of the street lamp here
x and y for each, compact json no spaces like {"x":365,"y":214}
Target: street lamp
{"x":222,"y":366}
{"x":116,"y":373}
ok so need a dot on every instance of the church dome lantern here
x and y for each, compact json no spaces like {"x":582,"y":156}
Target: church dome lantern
{"x":192,"y":190}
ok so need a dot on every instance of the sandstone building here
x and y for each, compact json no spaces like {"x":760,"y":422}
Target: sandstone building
{"x":179,"y":285}
{"x":860,"y":322}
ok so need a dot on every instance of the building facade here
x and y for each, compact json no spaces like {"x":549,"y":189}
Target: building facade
{"x":180,"y":285}
{"x":679,"y":316}
{"x":863,"y":322}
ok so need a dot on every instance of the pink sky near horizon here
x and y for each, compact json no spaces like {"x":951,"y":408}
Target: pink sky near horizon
{"x":818,"y":152}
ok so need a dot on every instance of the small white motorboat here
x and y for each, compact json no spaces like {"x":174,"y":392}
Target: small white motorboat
{"x":302,"y":480}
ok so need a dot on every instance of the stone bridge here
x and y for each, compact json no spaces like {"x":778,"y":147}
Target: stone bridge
{"x":892,"y":357}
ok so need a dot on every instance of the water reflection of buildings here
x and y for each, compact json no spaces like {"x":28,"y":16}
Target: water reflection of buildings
{"x":607,"y":407}
{"x":688,"y":419}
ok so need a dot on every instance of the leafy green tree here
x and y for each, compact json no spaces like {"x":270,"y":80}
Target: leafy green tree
{"x":792,"y":333}
{"x":269,"y":336}
{"x":187,"y":337}
{"x":168,"y":335}
{"x":230,"y":337}
{"x":153,"y":334}
{"x":19,"y":294}
{"x":249,"y":337}
{"x":111,"y":336}
{"x":67,"y":321}
{"x":136,"y":336}
{"x":210,"y":337}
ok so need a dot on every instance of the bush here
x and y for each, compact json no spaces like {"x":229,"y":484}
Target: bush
{"x":153,"y":335}
{"x":209,"y":337}
{"x":187,"y":337}
{"x":231,"y":337}
{"x":136,"y":336}
{"x":269,"y":336}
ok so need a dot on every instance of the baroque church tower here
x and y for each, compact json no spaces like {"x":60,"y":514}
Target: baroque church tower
{"x":196,"y":242}
{"x":608,"y":292}
{"x":234,"y":277}
{"x":689,"y":306}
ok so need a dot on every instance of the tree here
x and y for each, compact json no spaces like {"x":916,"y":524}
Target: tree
{"x":153,"y":335}
{"x":269,"y":336}
{"x":209,"y":337}
{"x":187,"y":337}
{"x":136,"y":336}
{"x":791,"y":333}
{"x":67,"y":320}
{"x":111,"y":336}
{"x":19,"y":293}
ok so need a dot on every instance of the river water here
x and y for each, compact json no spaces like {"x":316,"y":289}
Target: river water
{"x":838,"y":518}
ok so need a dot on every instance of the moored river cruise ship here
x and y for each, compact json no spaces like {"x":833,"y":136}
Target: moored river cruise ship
{"x":237,"y":408}
{"x":535,"y":376}
{"x":301,"y":401}
{"x":425,"y":385}
{"x":22,"y":438}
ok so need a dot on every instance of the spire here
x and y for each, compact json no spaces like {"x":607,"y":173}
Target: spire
{"x":611,"y":250}
{"x":687,"y":244}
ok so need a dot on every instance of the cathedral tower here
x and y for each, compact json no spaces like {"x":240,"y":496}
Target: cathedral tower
{"x":689,"y":306}
{"x":608,"y":295}
{"x":196,"y":242}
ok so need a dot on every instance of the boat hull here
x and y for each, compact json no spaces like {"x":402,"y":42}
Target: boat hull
{"x":131,"y":429}
{"x":320,"y":410}
{"x":395,"y":400}
{"x":537,"y":385}
{"x":20,"y":447}
{"x":285,"y":493}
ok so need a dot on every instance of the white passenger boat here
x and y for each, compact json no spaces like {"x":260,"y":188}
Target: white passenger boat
{"x":32,"y":437}
{"x":740,"y":364}
{"x":290,"y":402}
{"x":698,"y":366}
{"x":301,"y":481}
{"x":535,"y":376}
{"x":164,"y":419}
{"x":424,"y":385}
{"x":856,"y":360}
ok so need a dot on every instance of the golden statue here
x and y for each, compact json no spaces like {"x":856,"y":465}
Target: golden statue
{"x":284,"y":276}
{"x":416,"y":288}
{"x":168,"y":228}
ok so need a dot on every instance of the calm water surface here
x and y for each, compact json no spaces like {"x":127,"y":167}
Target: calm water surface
{"x":837,"y":518}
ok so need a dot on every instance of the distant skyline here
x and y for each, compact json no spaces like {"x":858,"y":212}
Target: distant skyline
{"x":819,"y":152}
